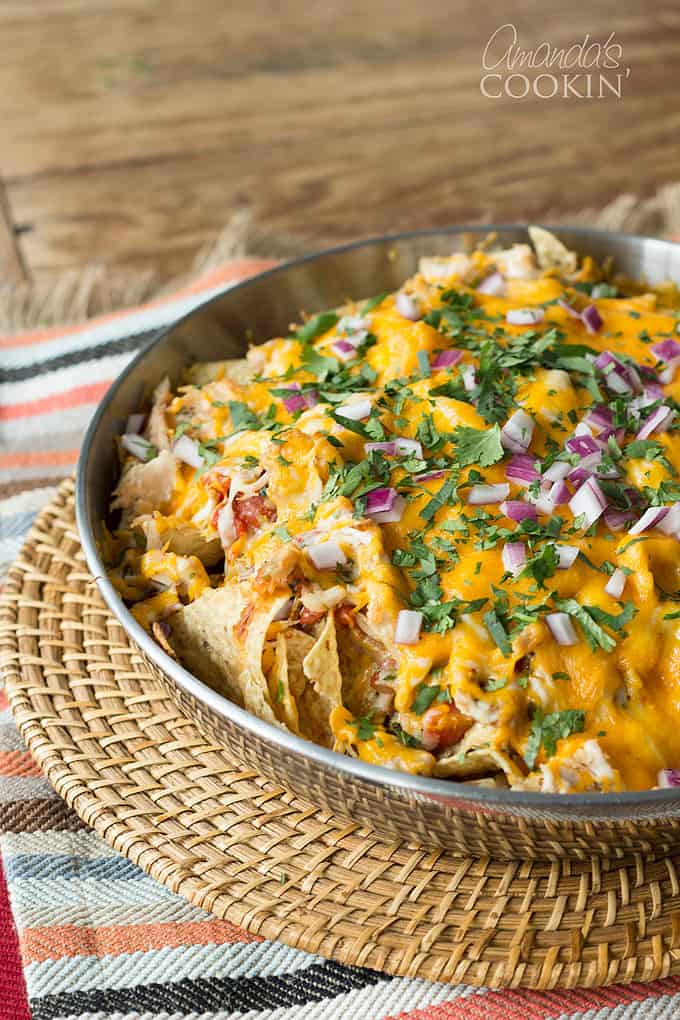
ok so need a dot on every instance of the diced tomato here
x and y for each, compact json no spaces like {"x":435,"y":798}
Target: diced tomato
{"x":344,"y":615}
{"x":308,"y":617}
{"x":251,"y":511}
{"x":443,"y":726}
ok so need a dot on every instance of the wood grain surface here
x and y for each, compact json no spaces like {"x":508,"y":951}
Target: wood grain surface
{"x":132,"y":130}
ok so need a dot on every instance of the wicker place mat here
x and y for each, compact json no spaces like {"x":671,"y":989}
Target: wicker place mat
{"x":142,"y":774}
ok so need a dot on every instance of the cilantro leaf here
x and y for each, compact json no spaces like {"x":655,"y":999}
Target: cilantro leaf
{"x":595,"y":635}
{"x":316,"y":326}
{"x":373,"y":302}
{"x":424,"y":697}
{"x":241,"y":416}
{"x":497,"y":631}
{"x":365,"y":728}
{"x":443,"y":497}
{"x":478,"y":446}
{"x":546,"y":730}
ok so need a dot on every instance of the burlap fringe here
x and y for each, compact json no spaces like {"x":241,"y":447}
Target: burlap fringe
{"x":95,"y":289}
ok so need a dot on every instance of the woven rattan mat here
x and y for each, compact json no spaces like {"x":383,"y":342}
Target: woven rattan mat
{"x":142,"y":774}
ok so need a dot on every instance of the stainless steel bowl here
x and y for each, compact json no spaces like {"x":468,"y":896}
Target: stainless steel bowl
{"x":434,"y":812}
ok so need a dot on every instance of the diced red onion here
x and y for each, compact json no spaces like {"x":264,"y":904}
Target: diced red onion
{"x":599,"y":418}
{"x":517,"y":510}
{"x":447,"y":358}
{"x":666,"y":350}
{"x":616,"y":520}
{"x":668,"y":778}
{"x":135,"y":424}
{"x":616,"y":583}
{"x":354,"y":324}
{"x":392,"y":515}
{"x":186,"y":449}
{"x":388,"y":448}
{"x":481,"y":494}
{"x":385,"y":506}
{"x":619,"y":378}
{"x":517,"y":433}
{"x":493,"y":284}
{"x":408,"y":447}
{"x":591,"y":319}
{"x":356,"y":411}
{"x":658,"y":421}
{"x":586,"y":469}
{"x":428,"y":476}
{"x":557,"y":471}
{"x":569,"y":309}
{"x":380,"y":500}
{"x":543,"y":503}
{"x":138,"y":447}
{"x":670,"y":524}
{"x":522,"y":468}
{"x":343,"y":349}
{"x":562,"y":628}
{"x":651,"y":393}
{"x":566,"y":555}
{"x":649,"y":519}
{"x":524,"y":316}
{"x":294,"y":403}
{"x":326,"y":555}
{"x":407,"y":630}
{"x":514,"y":557}
{"x":298,"y":401}
{"x":399,"y":447}
{"x":583,"y":445}
{"x":589,"y":502}
{"x":559,"y":494}
{"x":469,"y":376}
{"x":407,"y":306}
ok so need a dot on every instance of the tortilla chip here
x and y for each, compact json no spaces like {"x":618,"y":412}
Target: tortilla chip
{"x":550,"y":252}
{"x":324,"y":691}
{"x":220,"y":637}
{"x":298,"y":645}
{"x":183,"y":539}
{"x":157,"y":426}
{"x":476,"y":756}
{"x":145,"y":487}
{"x":279,"y":687}
{"x":239,"y":371}
{"x":358,"y":655}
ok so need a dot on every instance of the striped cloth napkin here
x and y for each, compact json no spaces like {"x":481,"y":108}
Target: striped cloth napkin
{"x":83,"y":932}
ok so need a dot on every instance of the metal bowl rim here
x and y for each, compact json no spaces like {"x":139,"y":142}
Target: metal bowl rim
{"x":420,"y":787}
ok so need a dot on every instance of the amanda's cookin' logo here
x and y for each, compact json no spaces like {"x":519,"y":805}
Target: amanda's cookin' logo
{"x":584,"y":70}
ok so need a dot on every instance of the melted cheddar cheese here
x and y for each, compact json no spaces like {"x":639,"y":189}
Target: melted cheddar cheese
{"x":479,"y":476}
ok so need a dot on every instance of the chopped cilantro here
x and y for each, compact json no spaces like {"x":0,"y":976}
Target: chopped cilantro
{"x":316,"y":326}
{"x":424,"y":697}
{"x":546,"y":730}
{"x":498,"y":632}
{"x":373,"y":302}
{"x":241,"y":416}
{"x":478,"y":446}
{"x":365,"y":728}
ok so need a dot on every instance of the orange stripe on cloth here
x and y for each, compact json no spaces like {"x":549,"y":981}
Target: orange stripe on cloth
{"x":239,"y":269}
{"x":52,"y":943}
{"x":4,"y":703}
{"x":511,"y":1004}
{"x":37,"y":458}
{"x":18,"y":763}
{"x":90,"y":393}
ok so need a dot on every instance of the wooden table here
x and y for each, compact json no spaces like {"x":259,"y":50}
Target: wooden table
{"x":130,"y":130}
